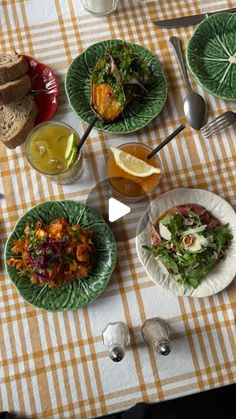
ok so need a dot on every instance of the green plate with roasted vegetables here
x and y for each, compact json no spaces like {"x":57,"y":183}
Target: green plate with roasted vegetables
{"x":60,"y":255}
{"x":125,"y":80}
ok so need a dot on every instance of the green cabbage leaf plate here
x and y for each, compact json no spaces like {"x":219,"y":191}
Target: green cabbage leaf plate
{"x":211,"y":55}
{"x":141,"y":109}
{"x":77,"y":294}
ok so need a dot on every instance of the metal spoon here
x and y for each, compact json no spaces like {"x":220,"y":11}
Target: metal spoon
{"x":195,"y":108}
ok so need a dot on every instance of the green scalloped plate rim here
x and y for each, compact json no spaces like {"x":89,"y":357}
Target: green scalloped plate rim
{"x":77,"y":294}
{"x":188,"y":55}
{"x":137,"y":114}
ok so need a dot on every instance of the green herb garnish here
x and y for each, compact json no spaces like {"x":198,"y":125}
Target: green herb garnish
{"x":123,"y":69}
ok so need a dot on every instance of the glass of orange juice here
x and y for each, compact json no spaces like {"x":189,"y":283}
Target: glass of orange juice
{"x":131,"y":175}
{"x":52,"y":149}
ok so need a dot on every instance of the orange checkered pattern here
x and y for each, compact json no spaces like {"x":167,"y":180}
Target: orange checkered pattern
{"x":54,"y":365}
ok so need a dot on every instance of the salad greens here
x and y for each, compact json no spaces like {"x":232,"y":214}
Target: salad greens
{"x":191,"y":246}
{"x":123,"y":69}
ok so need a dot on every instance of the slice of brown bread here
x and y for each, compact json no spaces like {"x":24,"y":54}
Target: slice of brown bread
{"x":16,"y":121}
{"x":14,"y":90}
{"x":12,"y":66}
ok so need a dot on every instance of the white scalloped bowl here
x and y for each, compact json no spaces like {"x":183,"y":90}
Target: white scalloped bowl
{"x":224,"y":271}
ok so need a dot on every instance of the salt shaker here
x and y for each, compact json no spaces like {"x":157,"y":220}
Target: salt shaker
{"x":116,"y":338}
{"x":155,"y":333}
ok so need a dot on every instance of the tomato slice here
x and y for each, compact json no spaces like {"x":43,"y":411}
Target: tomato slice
{"x":44,"y":88}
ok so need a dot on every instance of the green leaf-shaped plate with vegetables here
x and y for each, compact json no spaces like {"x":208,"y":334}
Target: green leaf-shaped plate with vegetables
{"x":211,"y":55}
{"x":147,"y":101}
{"x":193,"y":253}
{"x":78,"y":293}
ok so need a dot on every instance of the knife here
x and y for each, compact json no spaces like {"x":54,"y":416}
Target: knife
{"x":188,"y":20}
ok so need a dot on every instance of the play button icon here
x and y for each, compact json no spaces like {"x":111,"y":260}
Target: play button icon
{"x":121,"y":218}
{"x":116,"y":210}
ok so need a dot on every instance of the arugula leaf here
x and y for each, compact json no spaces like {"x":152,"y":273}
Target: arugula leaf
{"x":194,"y":276}
{"x":174,"y":223}
{"x":194,"y":282}
{"x":167,"y":220}
{"x":195,"y":217}
{"x":221,"y":236}
{"x":164,"y":256}
{"x":187,"y":259}
{"x":168,"y":261}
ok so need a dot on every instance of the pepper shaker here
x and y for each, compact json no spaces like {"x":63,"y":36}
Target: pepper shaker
{"x":155,"y":333}
{"x":116,"y":338}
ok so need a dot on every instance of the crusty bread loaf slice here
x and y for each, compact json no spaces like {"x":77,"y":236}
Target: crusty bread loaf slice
{"x":14,"y":90}
{"x":12,"y":66}
{"x":16,"y":121}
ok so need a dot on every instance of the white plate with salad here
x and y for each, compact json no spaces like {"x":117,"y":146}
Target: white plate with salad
{"x":186,"y":241}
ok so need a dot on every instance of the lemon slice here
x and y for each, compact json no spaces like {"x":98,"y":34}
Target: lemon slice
{"x":133,"y":165}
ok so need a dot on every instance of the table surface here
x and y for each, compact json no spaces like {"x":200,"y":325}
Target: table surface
{"x":54,"y":365}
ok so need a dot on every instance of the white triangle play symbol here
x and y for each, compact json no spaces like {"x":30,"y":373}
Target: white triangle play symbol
{"x":116,"y":210}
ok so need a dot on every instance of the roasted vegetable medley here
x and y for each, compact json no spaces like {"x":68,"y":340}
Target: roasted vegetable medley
{"x":53,"y":254}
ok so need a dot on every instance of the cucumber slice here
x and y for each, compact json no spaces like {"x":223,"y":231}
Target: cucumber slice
{"x":73,"y":156}
{"x":71,"y":144}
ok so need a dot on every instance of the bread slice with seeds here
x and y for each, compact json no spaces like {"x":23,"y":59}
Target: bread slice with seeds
{"x":14,"y":90}
{"x":12,"y":67}
{"x":16,"y":121}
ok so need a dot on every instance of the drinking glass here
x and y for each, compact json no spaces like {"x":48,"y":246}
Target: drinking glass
{"x":100,"y":7}
{"x":132,"y":188}
{"x":65,"y":176}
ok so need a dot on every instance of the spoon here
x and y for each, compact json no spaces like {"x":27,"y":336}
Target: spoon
{"x":195,"y":108}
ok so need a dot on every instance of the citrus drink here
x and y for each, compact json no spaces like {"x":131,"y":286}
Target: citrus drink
{"x":130,"y":177}
{"x":52,"y":149}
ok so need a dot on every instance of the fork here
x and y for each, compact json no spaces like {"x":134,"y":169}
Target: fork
{"x":222,"y":121}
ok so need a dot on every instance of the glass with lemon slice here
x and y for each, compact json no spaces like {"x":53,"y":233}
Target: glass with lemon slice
{"x":131,"y":175}
{"x":52,"y":149}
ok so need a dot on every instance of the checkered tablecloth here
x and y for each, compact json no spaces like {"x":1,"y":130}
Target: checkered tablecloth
{"x":54,"y":365}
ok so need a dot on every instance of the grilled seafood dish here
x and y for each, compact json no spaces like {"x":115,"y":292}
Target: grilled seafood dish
{"x":118,"y":74}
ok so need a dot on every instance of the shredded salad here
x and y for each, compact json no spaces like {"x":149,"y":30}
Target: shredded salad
{"x":53,"y":254}
{"x":188,"y":240}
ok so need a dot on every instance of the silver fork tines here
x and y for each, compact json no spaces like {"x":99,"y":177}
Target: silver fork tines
{"x":222,"y":121}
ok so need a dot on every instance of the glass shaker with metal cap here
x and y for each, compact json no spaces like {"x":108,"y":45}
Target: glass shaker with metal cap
{"x":116,"y":338}
{"x":155,"y":333}
{"x":100,"y":7}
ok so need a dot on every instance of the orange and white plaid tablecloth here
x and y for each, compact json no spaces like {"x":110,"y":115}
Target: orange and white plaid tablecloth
{"x":54,"y":365}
